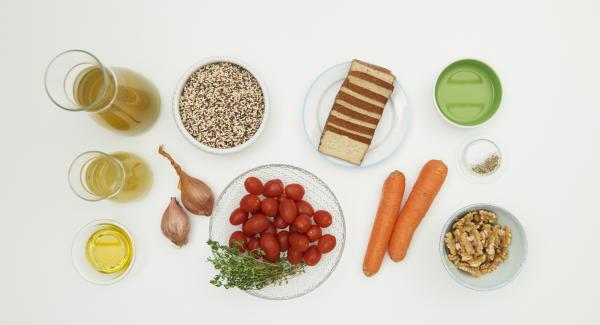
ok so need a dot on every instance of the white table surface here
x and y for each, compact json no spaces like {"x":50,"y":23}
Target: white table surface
{"x":545,"y":52}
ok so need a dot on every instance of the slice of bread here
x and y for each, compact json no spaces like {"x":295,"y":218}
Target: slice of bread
{"x":356,"y":112}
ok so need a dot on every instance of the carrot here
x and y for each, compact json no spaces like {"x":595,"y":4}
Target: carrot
{"x":424,"y":191}
{"x":387,"y":213}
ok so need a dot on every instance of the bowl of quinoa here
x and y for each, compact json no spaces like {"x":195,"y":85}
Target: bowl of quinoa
{"x":221,"y":105}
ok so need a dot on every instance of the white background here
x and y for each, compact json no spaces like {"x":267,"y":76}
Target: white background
{"x":545,"y":52}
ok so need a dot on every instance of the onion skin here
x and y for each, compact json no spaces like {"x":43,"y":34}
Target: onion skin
{"x":175,"y":223}
{"x":196,"y":196}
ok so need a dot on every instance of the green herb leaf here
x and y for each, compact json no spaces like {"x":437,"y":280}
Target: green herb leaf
{"x":247,"y":271}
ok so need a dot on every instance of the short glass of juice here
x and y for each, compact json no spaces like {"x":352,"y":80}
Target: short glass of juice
{"x":120,"y":176}
{"x":103,"y":252}
{"x":117,"y":98}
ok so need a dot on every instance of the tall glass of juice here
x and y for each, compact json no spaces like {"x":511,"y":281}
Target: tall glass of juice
{"x":120,"y":176}
{"x":117,"y":98}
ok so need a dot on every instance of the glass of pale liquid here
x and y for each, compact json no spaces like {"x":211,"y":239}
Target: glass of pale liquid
{"x":117,"y":98}
{"x":120,"y":176}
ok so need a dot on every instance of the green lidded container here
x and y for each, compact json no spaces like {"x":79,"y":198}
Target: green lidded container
{"x":468,"y":93}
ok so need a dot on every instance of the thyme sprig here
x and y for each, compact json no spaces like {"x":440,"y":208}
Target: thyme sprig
{"x":246,"y":271}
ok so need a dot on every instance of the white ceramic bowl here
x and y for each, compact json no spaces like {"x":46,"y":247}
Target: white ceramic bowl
{"x":507,"y":270}
{"x":181,"y":84}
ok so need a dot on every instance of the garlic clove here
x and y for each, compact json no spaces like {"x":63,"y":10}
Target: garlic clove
{"x":175,"y":223}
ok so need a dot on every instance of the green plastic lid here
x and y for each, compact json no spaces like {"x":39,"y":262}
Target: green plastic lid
{"x":468,"y":92}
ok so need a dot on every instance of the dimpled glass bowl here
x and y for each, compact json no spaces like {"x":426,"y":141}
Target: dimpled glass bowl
{"x":321,"y":198}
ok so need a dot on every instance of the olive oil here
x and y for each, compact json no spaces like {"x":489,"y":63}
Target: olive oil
{"x":109,"y":250}
{"x":128,"y":103}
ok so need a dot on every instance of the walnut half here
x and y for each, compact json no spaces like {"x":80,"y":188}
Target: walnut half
{"x":476,"y":244}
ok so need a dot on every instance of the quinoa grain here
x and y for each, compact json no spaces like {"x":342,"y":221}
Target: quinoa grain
{"x":222,"y":105}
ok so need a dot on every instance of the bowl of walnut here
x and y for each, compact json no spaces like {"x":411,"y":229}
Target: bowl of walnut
{"x":483,"y":246}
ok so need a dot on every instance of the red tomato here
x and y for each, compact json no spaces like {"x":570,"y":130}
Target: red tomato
{"x":271,"y":230}
{"x":294,"y":192}
{"x":283,"y":238}
{"x":269,"y":207}
{"x":273,"y":188}
{"x":250,"y":203}
{"x":294,"y":256}
{"x":238,"y":217}
{"x":301,"y":223}
{"x":312,"y":256}
{"x":287,"y":210}
{"x":257,"y":224}
{"x":253,"y":185}
{"x":323,"y":218}
{"x":274,"y":258}
{"x":237,"y":240}
{"x":313,"y":233}
{"x":305,"y":208}
{"x":326,"y":243}
{"x":270,"y":245}
{"x":280,"y":223}
{"x":252,"y":244}
{"x":281,"y":197}
{"x":298,"y":242}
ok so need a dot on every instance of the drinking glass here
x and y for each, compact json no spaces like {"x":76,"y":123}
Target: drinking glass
{"x":117,"y":98}
{"x":120,"y":176}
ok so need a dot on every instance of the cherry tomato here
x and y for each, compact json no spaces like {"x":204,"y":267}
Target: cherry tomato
{"x":237,"y":240}
{"x":253,"y":185}
{"x":313,"y":233}
{"x":323,"y":218}
{"x":298,"y":242}
{"x":283,"y":238}
{"x":326,"y":243}
{"x":271,"y":230}
{"x":287,"y":210}
{"x":238,"y":217}
{"x":273,"y":188}
{"x":279,"y":222}
{"x":252,"y":244}
{"x":269,"y":207}
{"x":294,"y":192}
{"x":257,"y":224}
{"x":294,"y":256}
{"x":274,"y":258}
{"x":281,"y":197}
{"x":305,"y":208}
{"x":312,"y":256}
{"x":250,"y":203}
{"x":270,"y":245}
{"x":301,"y":223}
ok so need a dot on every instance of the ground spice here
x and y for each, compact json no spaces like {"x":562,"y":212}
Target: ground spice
{"x":222,"y":105}
{"x":487,"y":167}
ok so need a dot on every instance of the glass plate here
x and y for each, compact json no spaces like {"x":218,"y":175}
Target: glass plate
{"x":390,"y":132}
{"x":321,"y":198}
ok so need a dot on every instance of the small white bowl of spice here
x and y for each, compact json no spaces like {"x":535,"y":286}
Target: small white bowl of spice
{"x":481,"y":159}
{"x":221,"y":105}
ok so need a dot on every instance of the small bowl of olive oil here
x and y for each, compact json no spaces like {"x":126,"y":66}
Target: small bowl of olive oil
{"x":103,"y":252}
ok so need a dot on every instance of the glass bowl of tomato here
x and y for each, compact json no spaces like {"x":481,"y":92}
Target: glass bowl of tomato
{"x":283,"y":201}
